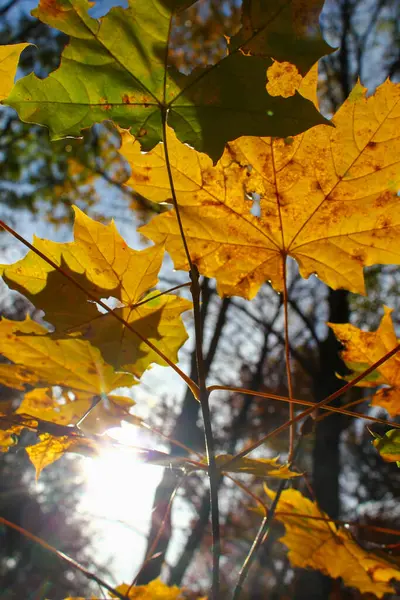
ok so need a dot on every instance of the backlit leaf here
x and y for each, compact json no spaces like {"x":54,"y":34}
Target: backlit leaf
{"x":17,"y":377}
{"x":259,"y":467}
{"x":294,"y":37}
{"x":52,"y":448}
{"x":101,"y":261}
{"x":72,"y":363}
{"x":9,"y":57}
{"x":321,"y":545}
{"x":388,"y":446}
{"x":131,"y":82}
{"x":8,"y":439}
{"x":363,"y":348}
{"x":155,"y":590}
{"x":66,"y":410}
{"x":328,"y":198}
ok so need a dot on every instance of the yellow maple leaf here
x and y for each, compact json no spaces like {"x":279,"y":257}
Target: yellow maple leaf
{"x":259,"y":467}
{"x":101,"y":261}
{"x":155,"y":590}
{"x":51,"y":448}
{"x":8,"y":438}
{"x":9,"y":57}
{"x":283,"y":79}
{"x":321,"y":545}
{"x":16,"y":376}
{"x":327,"y":198}
{"x":363,"y":348}
{"x":72,"y":363}
{"x":41,"y":403}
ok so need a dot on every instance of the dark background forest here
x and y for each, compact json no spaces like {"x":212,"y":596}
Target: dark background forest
{"x":243,"y":344}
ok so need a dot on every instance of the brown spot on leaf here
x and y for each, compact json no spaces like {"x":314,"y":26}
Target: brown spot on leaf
{"x":140,"y":178}
{"x":359,"y":256}
{"x":316,"y":186}
{"x":105,"y":105}
{"x":383,"y":199}
{"x":52,"y":8}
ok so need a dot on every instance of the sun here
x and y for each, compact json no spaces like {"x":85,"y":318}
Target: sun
{"x":117,"y":499}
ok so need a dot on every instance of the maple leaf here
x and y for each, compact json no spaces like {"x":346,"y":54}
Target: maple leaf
{"x":17,"y":377}
{"x":155,"y":590}
{"x":259,"y":467}
{"x":328,"y":199}
{"x":9,"y":57}
{"x":72,"y":363}
{"x":104,"y":265}
{"x":51,"y":448}
{"x":8,"y":439}
{"x":363,"y":348}
{"x":131,"y":82}
{"x":388,"y":445}
{"x":42,"y":403}
{"x":323,"y":546}
{"x":296,"y":23}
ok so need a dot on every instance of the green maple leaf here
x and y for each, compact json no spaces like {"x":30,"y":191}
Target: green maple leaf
{"x":117,"y":68}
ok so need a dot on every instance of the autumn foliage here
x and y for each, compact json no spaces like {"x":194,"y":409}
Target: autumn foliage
{"x":208,"y":144}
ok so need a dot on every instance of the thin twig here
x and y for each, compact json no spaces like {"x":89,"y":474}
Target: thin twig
{"x":329,"y":409}
{"x":213,"y":472}
{"x":292,"y":428}
{"x":283,"y":513}
{"x":173,"y":441}
{"x":346,"y":406}
{"x":263,"y":532}
{"x":64,"y":557}
{"x":173,"y":289}
{"x":323,"y":402}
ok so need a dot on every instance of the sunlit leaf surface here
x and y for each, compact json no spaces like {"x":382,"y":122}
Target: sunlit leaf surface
{"x":327,"y":198}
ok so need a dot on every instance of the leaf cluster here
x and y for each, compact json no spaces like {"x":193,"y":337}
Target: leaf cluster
{"x":209,"y":143}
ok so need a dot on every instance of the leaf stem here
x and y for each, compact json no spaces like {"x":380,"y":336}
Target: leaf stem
{"x":292,"y":427}
{"x":173,"y":192}
{"x":191,"y":384}
{"x":213,"y":472}
{"x":173,"y":289}
{"x":321,"y":404}
{"x":329,"y":409}
{"x":64,"y":557}
{"x":263,"y":531}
